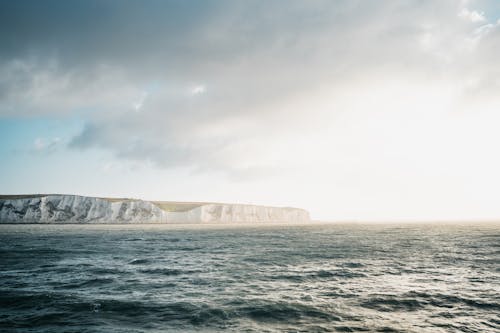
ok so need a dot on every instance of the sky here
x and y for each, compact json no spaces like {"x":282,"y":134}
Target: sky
{"x":354,"y":110}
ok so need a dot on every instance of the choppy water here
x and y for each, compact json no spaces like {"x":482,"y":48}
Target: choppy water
{"x":321,"y":278}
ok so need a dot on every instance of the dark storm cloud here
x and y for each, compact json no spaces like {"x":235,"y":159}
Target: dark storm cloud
{"x":82,"y":32}
{"x":184,"y":37}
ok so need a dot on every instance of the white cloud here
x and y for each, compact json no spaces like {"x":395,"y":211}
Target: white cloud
{"x":140,"y":103}
{"x":241,"y":125}
{"x":36,"y":86}
{"x":42,"y":145}
{"x":39,"y":144}
{"x":197,"y":90}
{"x":472,"y":15}
{"x":486,"y":29}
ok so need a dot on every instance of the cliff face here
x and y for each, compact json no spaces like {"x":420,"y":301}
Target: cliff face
{"x":227,"y":213}
{"x":79,"y":209}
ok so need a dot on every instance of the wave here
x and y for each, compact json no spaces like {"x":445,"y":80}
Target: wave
{"x":142,"y":261}
{"x":343,"y":279}
{"x":94,"y":282}
{"x":168,"y":271}
{"x":413,"y":301}
{"x":196,"y":314}
{"x":318,"y":275}
{"x":392,"y":304}
{"x":266,"y":311}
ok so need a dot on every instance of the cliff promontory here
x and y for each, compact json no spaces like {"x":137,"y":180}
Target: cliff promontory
{"x":56,"y":208}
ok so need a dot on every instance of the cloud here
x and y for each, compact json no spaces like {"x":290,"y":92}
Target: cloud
{"x":472,"y":15}
{"x":139,"y":104}
{"x":277,"y":75}
{"x":199,"y":89}
{"x":38,"y":86}
{"x":42,"y":145}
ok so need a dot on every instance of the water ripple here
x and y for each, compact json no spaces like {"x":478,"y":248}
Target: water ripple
{"x":322,"y":278}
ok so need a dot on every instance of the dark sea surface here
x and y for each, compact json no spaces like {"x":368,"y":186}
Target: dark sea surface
{"x":272,"y":278}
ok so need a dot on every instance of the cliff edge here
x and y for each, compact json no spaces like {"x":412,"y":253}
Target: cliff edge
{"x":57,"y":208}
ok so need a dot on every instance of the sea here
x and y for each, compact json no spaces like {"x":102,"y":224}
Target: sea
{"x":247,"y":278}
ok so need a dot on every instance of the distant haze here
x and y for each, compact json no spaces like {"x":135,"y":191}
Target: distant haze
{"x":354,"y":110}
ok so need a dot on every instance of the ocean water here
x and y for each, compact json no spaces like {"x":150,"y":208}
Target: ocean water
{"x":272,"y":278}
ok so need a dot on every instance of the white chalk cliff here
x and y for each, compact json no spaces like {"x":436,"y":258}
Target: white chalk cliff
{"x":80,"y":209}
